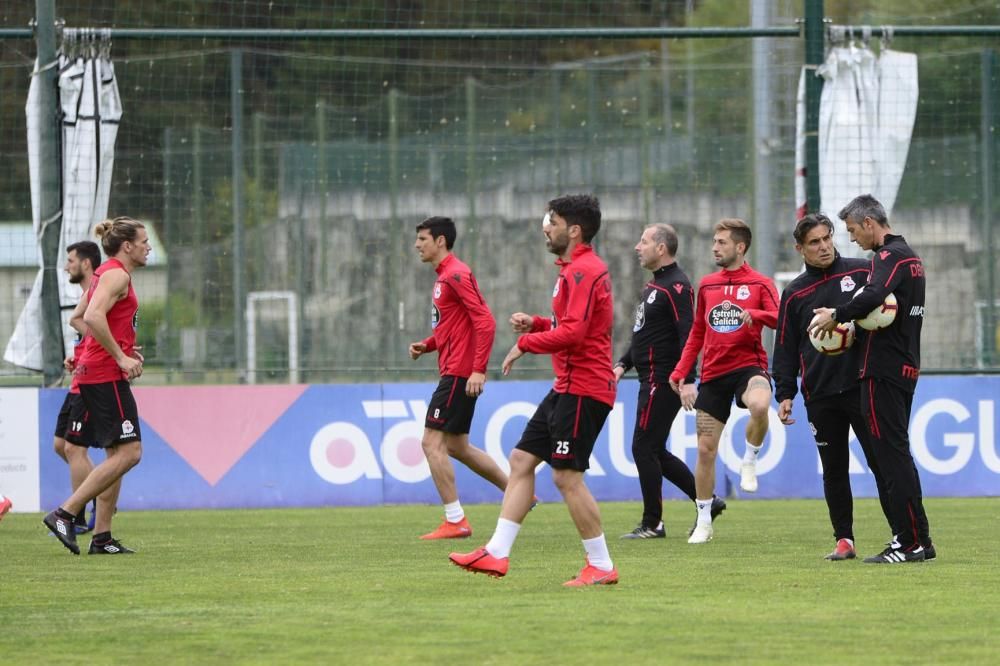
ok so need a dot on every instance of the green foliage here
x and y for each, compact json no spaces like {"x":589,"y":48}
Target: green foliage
{"x":356,"y":586}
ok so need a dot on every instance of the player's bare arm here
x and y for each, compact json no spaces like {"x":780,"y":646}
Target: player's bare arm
{"x":508,"y":361}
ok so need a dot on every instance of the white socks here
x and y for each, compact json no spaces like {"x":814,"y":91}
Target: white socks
{"x":751,"y":453}
{"x":704,"y":511}
{"x":453,"y":512}
{"x":597,"y":553}
{"x":503,"y":538}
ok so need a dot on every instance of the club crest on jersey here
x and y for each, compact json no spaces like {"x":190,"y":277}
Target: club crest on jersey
{"x":847,"y":284}
{"x":437,"y":290}
{"x":725,"y":317}
{"x":743,"y":293}
{"x":127,"y":428}
{"x":555,"y":290}
{"x":652,"y":297}
{"x":435,"y":316}
{"x":640,"y":316}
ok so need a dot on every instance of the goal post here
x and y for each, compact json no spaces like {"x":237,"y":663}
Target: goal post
{"x":291,"y":313}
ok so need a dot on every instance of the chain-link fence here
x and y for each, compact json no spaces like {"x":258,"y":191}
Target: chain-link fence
{"x":343,"y":146}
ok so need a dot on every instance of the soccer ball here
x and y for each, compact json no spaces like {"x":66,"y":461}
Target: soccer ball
{"x":836,"y":342}
{"x":881,"y":316}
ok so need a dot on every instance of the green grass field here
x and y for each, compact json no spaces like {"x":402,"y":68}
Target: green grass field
{"x":356,"y":586}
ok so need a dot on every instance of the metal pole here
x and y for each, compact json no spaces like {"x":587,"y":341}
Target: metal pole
{"x":644,"y":170}
{"x":394,"y":272}
{"x":987,"y":156}
{"x":199,"y":225}
{"x":763,"y":133}
{"x":814,"y":35}
{"x":168,"y":213}
{"x":556,"y":105}
{"x":321,"y":187}
{"x":236,"y":103}
{"x":50,"y":190}
{"x":470,"y":150}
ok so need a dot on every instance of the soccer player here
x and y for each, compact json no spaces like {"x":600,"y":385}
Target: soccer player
{"x":890,"y":366}
{"x":567,"y":422}
{"x":5,"y":505}
{"x":830,"y":388}
{"x":662,"y":323}
{"x":81,"y":260}
{"x":104,"y":367}
{"x":734,"y":304}
{"x":463,"y":330}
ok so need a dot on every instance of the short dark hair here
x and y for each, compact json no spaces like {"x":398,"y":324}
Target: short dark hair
{"x":738,"y":230}
{"x":664,"y":233}
{"x":88,"y":250}
{"x":863,"y":206}
{"x":808,"y":223}
{"x":440,"y":226}
{"x":583,"y":210}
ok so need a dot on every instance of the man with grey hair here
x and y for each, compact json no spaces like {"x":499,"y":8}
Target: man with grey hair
{"x":663,"y":320}
{"x":889,"y":369}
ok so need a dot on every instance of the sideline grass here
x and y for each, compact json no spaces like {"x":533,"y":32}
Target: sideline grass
{"x":354,"y":585}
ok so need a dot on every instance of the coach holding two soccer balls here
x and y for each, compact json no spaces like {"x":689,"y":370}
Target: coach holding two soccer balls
{"x":889,"y":366}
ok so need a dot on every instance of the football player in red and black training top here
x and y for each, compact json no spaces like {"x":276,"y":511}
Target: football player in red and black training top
{"x":462,"y":334}
{"x":564,"y":428}
{"x":734,"y":304}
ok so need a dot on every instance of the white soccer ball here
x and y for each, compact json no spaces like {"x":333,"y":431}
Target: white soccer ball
{"x":836,"y":342}
{"x":881,"y":316}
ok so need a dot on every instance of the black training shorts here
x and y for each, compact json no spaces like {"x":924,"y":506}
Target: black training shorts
{"x":716,"y":397}
{"x":563,"y":430}
{"x":451,"y":409}
{"x":108,"y":413}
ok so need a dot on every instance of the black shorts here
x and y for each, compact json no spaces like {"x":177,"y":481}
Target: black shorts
{"x":563,"y":430}
{"x":106,"y":416}
{"x":62,"y":421}
{"x":451,"y":409}
{"x":715,"y":397}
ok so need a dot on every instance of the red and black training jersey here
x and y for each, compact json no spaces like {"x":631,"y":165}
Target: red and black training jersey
{"x":462,"y":324}
{"x":663,"y":321}
{"x":822,"y":376}
{"x":94,"y":365}
{"x":579,"y":333}
{"x":726,"y":342}
{"x":891,"y":353}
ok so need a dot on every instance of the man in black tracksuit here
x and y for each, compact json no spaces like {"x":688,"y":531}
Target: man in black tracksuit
{"x":663,"y":320}
{"x":830,"y":388}
{"x":889,"y":368}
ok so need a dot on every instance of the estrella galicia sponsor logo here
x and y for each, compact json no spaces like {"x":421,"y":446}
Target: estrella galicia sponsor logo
{"x":640,"y":317}
{"x":135,"y":320}
{"x":725,"y":317}
{"x":435,"y":316}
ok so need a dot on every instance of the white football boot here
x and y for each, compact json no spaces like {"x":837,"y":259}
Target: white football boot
{"x":701,"y":534}
{"x":748,"y":477}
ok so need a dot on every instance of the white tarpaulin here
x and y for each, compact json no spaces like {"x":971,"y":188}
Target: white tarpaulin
{"x":867,"y":111}
{"x":91,"y":107}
